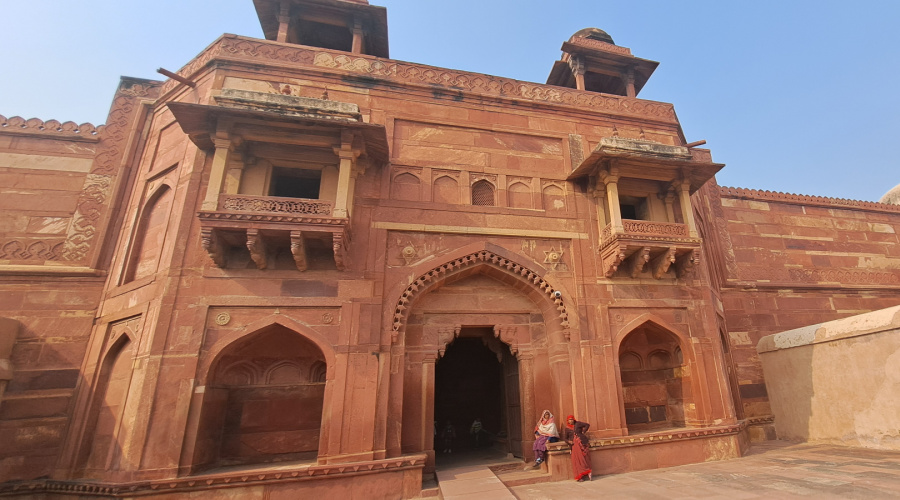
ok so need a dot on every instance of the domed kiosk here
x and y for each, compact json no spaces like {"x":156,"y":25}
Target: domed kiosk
{"x":892,"y":197}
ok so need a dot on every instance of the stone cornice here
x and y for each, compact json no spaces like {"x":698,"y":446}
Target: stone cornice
{"x":256,"y":52}
{"x":801,"y":199}
{"x":69,"y":131}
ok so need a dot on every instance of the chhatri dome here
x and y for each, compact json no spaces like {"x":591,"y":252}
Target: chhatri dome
{"x":594,"y":34}
{"x":892,"y":197}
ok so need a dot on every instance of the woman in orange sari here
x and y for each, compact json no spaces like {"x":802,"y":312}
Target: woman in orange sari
{"x":581,"y":450}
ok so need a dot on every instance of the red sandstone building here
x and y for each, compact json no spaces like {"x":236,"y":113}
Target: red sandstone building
{"x":297,"y":255}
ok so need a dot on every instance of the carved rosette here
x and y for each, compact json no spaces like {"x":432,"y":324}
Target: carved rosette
{"x":483,"y":257}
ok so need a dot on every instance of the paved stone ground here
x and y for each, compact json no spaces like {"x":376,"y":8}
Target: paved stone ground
{"x":771,"y":470}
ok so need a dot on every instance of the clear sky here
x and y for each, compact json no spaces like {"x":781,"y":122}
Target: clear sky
{"x":792,"y":95}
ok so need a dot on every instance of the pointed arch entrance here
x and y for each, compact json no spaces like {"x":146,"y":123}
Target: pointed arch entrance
{"x":478,"y":378}
{"x":488,"y":288}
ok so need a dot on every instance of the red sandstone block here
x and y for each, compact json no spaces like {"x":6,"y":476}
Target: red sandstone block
{"x":38,"y":407}
{"x":39,"y":201}
{"x":493,"y":118}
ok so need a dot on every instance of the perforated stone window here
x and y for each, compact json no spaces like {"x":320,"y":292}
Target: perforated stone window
{"x":483,"y":194}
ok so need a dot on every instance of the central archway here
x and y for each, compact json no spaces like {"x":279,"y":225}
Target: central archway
{"x":478,"y":378}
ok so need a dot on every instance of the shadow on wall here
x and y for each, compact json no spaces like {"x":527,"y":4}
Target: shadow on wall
{"x":837,"y":382}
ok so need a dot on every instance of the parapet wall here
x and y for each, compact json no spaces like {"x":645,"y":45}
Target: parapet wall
{"x":837,"y":382}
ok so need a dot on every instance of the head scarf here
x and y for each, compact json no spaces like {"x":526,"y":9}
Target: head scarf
{"x":572,"y":418}
{"x":546,"y":427}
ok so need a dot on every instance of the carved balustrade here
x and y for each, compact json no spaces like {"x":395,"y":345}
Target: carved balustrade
{"x":648,"y":248}
{"x":271,"y":204}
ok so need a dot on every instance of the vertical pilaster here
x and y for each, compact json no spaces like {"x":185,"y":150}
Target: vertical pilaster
{"x":526,"y":393}
{"x":670,"y":205}
{"x":427,"y":430}
{"x":576,"y":63}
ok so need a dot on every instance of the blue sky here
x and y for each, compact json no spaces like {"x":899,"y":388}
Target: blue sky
{"x":795,"y":95}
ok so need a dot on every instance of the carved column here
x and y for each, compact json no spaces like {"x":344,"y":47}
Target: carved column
{"x":684,"y":196}
{"x":284,"y":21}
{"x":576,"y":64}
{"x":599,"y":193}
{"x":628,"y":78}
{"x":358,"y":36}
{"x":217,"y":175}
{"x":611,"y":179}
{"x":233,"y":173}
{"x":347,"y":155}
{"x":427,"y":410}
{"x":670,"y":204}
{"x":526,"y":393}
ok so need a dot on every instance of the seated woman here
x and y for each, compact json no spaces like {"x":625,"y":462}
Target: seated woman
{"x":544,"y":432}
{"x":581,"y":449}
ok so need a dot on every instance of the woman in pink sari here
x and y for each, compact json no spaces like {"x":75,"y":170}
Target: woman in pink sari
{"x":581,"y":449}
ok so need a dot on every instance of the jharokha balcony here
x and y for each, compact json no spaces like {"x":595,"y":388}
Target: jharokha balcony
{"x":265,"y":224}
{"x":648,"y":246}
{"x":282,"y":173}
{"x":643,"y":193}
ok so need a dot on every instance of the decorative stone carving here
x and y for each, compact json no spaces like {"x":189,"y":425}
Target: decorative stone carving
{"x":223,"y":318}
{"x":337,"y":244}
{"x":446,"y":334}
{"x":484,"y":257}
{"x":51,"y":128}
{"x":662,"y":262}
{"x":275,"y":205}
{"x":553,"y":257}
{"x":508,"y":334}
{"x":408,"y":254}
{"x":327,"y":318}
{"x":210,"y":242}
{"x":639,"y":259}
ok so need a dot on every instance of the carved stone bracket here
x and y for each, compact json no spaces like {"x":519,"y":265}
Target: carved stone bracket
{"x":210,"y":241}
{"x":662,"y":262}
{"x":257,"y":246}
{"x":298,"y":250}
{"x":508,"y":334}
{"x":686,"y":264}
{"x":446,"y":335}
{"x":340,"y":251}
{"x":638,"y":260}
{"x":611,"y":257}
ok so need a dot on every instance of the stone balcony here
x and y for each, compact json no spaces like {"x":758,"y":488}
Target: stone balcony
{"x":265,"y":224}
{"x":648,"y":247}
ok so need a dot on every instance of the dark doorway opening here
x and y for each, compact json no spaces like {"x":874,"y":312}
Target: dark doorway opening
{"x":477,"y":378}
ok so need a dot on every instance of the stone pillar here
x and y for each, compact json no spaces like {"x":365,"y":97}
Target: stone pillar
{"x":233,"y":174}
{"x":344,"y":198}
{"x":611,"y":180}
{"x":670,"y":204}
{"x":684,"y":196}
{"x":576,"y":63}
{"x":217,"y":174}
{"x":358,"y":36}
{"x":9,"y":329}
{"x":427,"y":436}
{"x":526,"y":395}
{"x":284,"y":21}
{"x":628,"y":78}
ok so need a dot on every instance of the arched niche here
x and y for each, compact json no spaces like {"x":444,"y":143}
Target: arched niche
{"x":147,"y":244}
{"x":106,"y":432}
{"x":262,"y":401}
{"x":654,"y":386}
{"x":406,"y":186}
